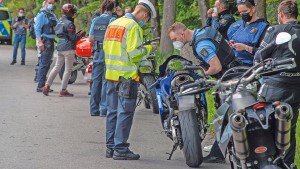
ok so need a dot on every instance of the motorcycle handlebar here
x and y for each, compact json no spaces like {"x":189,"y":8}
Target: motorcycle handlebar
{"x":148,"y":42}
{"x":245,"y":81}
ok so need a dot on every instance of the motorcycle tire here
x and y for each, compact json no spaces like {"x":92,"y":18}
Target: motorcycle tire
{"x":191,"y":141}
{"x":73,"y":76}
{"x":148,"y":80}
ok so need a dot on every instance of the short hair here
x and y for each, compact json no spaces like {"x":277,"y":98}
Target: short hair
{"x":177,"y":26}
{"x":289,"y":8}
{"x":21,"y":9}
{"x":224,"y":3}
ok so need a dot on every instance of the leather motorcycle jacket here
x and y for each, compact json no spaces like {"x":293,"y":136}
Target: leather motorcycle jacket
{"x":288,"y":50}
{"x":66,"y":31}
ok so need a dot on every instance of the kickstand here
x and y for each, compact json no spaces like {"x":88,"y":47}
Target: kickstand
{"x":173,"y":149}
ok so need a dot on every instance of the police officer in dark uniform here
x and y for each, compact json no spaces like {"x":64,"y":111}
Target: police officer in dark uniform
{"x":220,"y":17}
{"x":284,"y":86}
{"x":209,"y":46}
{"x":66,"y":45}
{"x":44,"y":30}
{"x":97,"y":33}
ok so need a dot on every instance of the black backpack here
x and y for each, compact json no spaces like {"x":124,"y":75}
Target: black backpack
{"x":31,"y":29}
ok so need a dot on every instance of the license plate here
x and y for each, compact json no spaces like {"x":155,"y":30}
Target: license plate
{"x":186,"y":102}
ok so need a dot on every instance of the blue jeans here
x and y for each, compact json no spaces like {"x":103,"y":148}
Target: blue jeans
{"x":19,"y":39}
{"x":45,"y":60}
{"x":98,"y":94}
{"x":119,"y":118}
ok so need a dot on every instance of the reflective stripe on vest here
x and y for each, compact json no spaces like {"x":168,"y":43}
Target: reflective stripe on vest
{"x":116,"y":57}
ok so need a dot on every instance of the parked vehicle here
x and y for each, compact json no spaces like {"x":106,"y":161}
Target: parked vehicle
{"x":148,"y":77}
{"x":183,"y":118}
{"x":82,"y":58}
{"x":253,"y":132}
{"x":5,"y":25}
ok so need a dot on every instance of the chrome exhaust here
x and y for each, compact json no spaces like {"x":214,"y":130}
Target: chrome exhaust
{"x":238,"y":125}
{"x":283,"y":115}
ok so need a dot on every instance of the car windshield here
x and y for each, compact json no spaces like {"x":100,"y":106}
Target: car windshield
{"x":4,"y":15}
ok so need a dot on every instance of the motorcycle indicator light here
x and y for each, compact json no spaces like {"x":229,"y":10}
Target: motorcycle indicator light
{"x":260,"y":150}
{"x":259,"y":105}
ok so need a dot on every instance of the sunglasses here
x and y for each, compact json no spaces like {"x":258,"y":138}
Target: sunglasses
{"x":244,"y":1}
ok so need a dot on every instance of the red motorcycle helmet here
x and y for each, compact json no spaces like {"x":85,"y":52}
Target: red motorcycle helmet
{"x":69,"y":10}
{"x":84,"y":48}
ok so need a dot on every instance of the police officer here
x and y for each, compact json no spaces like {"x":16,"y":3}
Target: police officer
{"x":246,"y":35}
{"x":284,"y":86}
{"x":124,"y":51}
{"x":220,"y":17}
{"x":97,"y":32}
{"x":44,"y":30}
{"x":66,"y":45}
{"x":100,"y":11}
{"x":209,"y":46}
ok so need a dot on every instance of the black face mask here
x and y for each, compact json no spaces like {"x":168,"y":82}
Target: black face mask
{"x":246,"y":17}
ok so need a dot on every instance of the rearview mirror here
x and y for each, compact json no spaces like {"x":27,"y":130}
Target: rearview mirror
{"x":283,"y":37}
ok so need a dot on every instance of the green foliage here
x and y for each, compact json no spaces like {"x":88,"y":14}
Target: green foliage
{"x":188,"y":13}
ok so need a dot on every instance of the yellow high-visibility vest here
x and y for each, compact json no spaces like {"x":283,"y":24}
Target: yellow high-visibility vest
{"x":123,"y":49}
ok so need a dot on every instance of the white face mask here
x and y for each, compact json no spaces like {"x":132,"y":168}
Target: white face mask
{"x":178,"y":45}
{"x":21,"y":14}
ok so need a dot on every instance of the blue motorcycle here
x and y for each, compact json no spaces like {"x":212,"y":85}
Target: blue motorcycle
{"x":184,"y":118}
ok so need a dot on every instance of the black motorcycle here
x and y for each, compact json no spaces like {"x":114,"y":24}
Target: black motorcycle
{"x":255,"y":133}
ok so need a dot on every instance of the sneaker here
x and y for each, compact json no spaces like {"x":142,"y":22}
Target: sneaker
{"x":213,"y":159}
{"x":207,"y":148}
{"x":95,"y":113}
{"x":109,"y":153}
{"x":39,"y":90}
{"x":46,"y":90}
{"x":13,"y":62}
{"x":65,"y":93}
{"x":125,"y":156}
{"x":23,"y":63}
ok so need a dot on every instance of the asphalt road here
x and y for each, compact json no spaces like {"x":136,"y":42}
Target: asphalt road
{"x":39,"y":132}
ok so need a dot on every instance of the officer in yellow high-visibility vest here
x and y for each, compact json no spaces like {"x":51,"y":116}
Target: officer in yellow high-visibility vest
{"x":123,"y":53}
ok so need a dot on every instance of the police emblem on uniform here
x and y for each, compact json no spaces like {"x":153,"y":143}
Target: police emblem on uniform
{"x":223,"y":21}
{"x":253,"y":30}
{"x":204,"y":52}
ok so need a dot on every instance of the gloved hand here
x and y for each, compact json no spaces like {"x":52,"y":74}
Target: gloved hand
{"x":81,"y":34}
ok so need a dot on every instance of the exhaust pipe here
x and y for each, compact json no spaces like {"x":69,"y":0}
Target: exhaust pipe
{"x":283,"y":115}
{"x":238,"y":125}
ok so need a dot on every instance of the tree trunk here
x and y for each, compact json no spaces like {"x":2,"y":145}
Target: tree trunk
{"x":203,"y":6}
{"x":169,"y":15}
{"x":261,"y":8}
{"x":156,"y":21}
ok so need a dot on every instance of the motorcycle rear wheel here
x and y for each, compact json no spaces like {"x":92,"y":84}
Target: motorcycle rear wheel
{"x":191,"y":141}
{"x":73,"y":76}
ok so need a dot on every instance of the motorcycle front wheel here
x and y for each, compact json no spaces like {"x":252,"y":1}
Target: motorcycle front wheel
{"x":191,"y":141}
{"x":73,"y":76}
{"x":151,"y":99}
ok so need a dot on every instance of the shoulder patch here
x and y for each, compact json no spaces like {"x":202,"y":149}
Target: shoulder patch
{"x":253,"y":30}
{"x":223,"y":21}
{"x":204,"y":52}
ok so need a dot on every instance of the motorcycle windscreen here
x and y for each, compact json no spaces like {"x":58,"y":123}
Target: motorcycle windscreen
{"x":222,"y":127}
